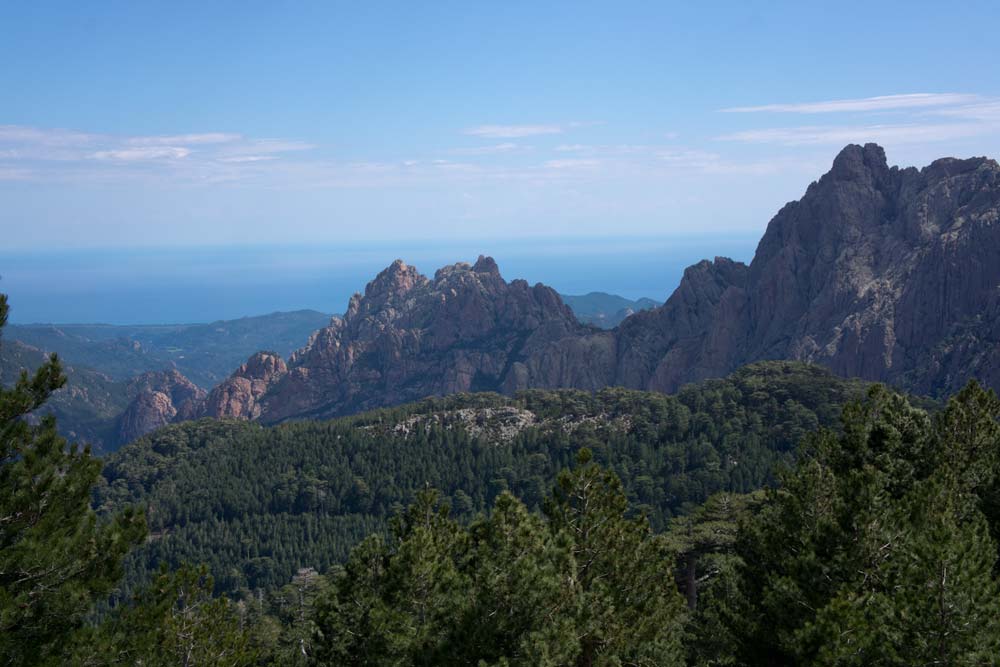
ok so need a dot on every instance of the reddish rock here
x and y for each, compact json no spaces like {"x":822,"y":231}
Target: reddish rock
{"x":158,"y":398}
{"x":408,"y":337}
{"x":238,"y":396}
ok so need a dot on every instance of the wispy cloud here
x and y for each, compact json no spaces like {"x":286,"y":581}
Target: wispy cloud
{"x":19,"y":134}
{"x":832,"y":134}
{"x":186,"y":139}
{"x":864,"y":104}
{"x":512,"y":131}
{"x":495,"y":149}
{"x":40,"y":153}
{"x":521,"y":131}
{"x":988,"y":110}
{"x":247,"y":158}
{"x":572,"y":164}
{"x":143,"y":154}
{"x":918,"y":118}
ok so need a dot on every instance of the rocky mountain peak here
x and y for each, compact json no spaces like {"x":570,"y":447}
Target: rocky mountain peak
{"x":408,"y":337}
{"x":262,"y":366}
{"x":486,"y":265}
{"x":866,"y":164}
{"x":390,"y":288}
{"x":394,"y":281}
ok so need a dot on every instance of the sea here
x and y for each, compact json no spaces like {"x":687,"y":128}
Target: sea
{"x":180,"y":285}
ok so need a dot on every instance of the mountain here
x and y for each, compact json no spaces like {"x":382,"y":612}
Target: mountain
{"x":409,"y":336}
{"x":605,"y":310}
{"x":881,"y":273}
{"x":878,"y":272}
{"x":204,"y":353}
{"x":258,"y":502}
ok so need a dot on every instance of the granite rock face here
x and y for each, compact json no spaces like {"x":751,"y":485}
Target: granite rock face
{"x":409,"y":336}
{"x":878,"y":272}
{"x":238,"y":396}
{"x":158,"y":398}
{"x":881,"y":273}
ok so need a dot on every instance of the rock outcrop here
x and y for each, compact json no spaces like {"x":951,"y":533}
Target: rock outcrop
{"x":409,"y":336}
{"x":158,"y":398}
{"x":238,"y":396}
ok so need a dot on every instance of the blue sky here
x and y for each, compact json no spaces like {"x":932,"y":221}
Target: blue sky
{"x":188,"y":123}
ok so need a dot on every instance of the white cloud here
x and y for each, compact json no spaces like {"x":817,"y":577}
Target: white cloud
{"x":985,"y":111}
{"x":185,"y":139}
{"x":831,"y":134}
{"x":20,"y":134}
{"x":572,"y":164}
{"x":881,"y":103}
{"x":45,"y":153}
{"x":14,"y":174}
{"x":141,"y":154}
{"x":495,"y":149}
{"x":247,"y":158}
{"x":512,"y":131}
{"x":278,"y":146}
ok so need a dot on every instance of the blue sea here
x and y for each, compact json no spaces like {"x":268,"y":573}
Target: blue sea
{"x":203,"y":284}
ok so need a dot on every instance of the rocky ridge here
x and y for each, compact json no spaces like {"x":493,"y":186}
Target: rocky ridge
{"x":878,"y":272}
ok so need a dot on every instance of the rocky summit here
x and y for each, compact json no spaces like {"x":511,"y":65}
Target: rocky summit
{"x":410,"y":336}
{"x":878,"y":272}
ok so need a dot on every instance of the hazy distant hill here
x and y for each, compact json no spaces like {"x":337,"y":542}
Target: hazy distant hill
{"x":204,"y":353}
{"x":605,"y":310}
{"x":124,"y":381}
{"x":86,"y":409}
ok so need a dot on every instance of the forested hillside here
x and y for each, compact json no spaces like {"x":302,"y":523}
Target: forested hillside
{"x":258,"y":503}
{"x":875,"y":545}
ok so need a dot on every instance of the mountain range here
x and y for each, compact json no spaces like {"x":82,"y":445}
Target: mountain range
{"x":878,"y":272}
{"x":882,"y":273}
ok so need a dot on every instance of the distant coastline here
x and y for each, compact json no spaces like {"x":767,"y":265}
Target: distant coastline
{"x":204,"y":284}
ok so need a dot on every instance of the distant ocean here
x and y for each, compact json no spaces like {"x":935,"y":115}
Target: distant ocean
{"x":203,"y":284}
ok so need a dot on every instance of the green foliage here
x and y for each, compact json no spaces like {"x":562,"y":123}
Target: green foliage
{"x":257,"y":504}
{"x":586,"y":585}
{"x":175,"y":622}
{"x":56,"y":558}
{"x":706,"y":573}
{"x":875,"y":550}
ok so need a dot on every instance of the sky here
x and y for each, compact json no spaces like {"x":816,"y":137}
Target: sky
{"x":130,"y":125}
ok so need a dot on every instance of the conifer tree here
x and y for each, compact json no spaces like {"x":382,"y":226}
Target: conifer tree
{"x":56,"y":558}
